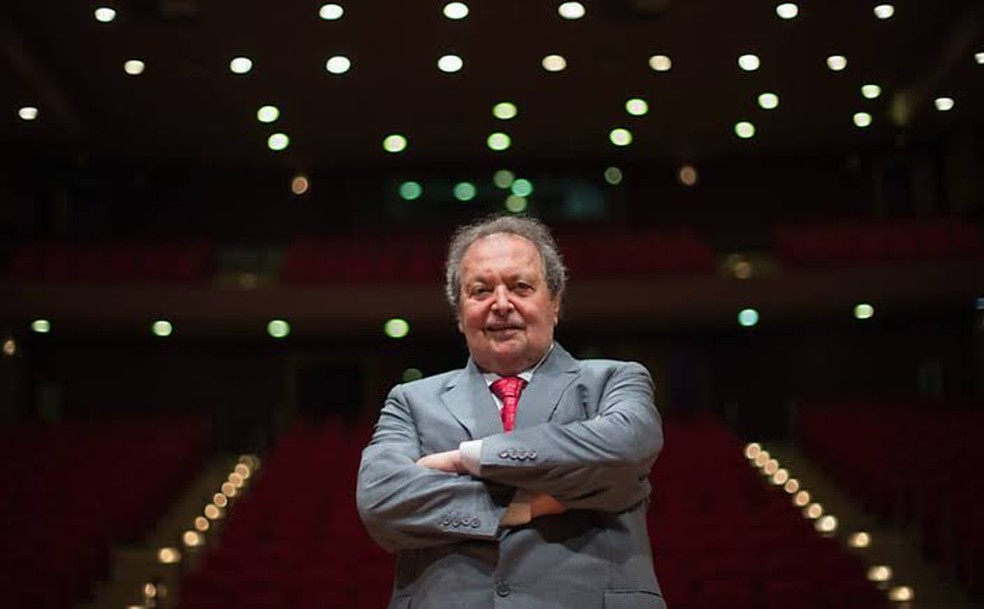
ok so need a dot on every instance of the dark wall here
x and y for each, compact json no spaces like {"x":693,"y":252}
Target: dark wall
{"x":250,"y":389}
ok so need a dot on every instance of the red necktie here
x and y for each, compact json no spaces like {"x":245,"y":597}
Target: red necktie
{"x":508,"y":389}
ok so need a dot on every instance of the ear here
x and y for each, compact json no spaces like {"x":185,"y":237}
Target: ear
{"x":555,"y":305}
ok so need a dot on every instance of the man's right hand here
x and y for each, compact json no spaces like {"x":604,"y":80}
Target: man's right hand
{"x":542,"y":504}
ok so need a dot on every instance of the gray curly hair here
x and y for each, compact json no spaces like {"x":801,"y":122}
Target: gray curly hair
{"x":531,"y":229}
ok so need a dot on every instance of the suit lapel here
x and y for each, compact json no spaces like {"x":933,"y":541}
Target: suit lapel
{"x":471,"y":403}
{"x":540,"y":398}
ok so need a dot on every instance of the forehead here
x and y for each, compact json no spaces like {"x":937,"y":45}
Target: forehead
{"x":501,"y":252}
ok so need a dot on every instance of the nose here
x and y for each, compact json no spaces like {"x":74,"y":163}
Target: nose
{"x":500,"y":300}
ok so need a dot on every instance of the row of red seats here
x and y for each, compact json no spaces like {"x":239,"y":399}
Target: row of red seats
{"x":294,"y":540}
{"x":606,"y":254}
{"x":413,"y":258}
{"x":721,"y":535}
{"x":420,"y":258}
{"x":364,"y":260}
{"x":876,"y":243}
{"x":111,"y":263}
{"x":70,"y":491}
{"x":911,"y":463}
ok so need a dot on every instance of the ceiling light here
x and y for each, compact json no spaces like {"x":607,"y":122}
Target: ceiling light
{"x":410,"y":191}
{"x":554,"y":63}
{"x":837,"y":62}
{"x":162,"y":328}
{"x":396,"y":327}
{"x":636,"y":106}
{"x":620,"y":136}
{"x":464,"y":191}
{"x":979,"y":58}
{"x":748,"y":317}
{"x":749,"y":62}
{"x":522,"y":187}
{"x":412,"y":374}
{"x":241,"y":65}
{"x":278,"y":328}
{"x":278,"y":142}
{"x":394,"y":143}
{"x":944,"y":104}
{"x":450,"y":63}
{"x":864,"y":311}
{"x":339,"y":64}
{"x":660,"y":63}
{"x":331,"y":12}
{"x":133,"y":67}
{"x":613,"y":175}
{"x":862,"y":119}
{"x":768,"y":101}
{"x":516,"y":204}
{"x":455,"y":10}
{"x":571,"y":10}
{"x":41,"y":326}
{"x":884,"y":11}
{"x":104,"y":14}
{"x":787,"y":10}
{"x":504,"y":110}
{"x":267,"y":114}
{"x":901,"y":594}
{"x":498,"y":142}
{"x":687,"y":175}
{"x":870,"y":91}
{"x":28,"y":113}
{"x":503,"y":178}
{"x":300,"y":184}
{"x":744,"y":129}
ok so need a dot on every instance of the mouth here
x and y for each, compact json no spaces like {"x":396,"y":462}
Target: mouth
{"x":502,"y":329}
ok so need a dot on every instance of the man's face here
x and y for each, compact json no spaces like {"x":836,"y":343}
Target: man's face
{"x":505,"y":309}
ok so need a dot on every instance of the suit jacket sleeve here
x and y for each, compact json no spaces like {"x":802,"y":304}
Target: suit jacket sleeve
{"x":404,"y":505}
{"x":599,"y":463}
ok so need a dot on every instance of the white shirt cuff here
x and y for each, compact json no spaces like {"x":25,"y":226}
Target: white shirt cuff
{"x":471,"y":456}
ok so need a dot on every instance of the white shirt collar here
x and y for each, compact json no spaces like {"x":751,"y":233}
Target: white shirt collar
{"x":526,"y":375}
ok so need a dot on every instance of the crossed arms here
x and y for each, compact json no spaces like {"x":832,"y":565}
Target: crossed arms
{"x":411,"y":500}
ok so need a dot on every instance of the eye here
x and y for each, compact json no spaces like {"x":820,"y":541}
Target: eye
{"x":523,"y":287}
{"x":478,"y":291}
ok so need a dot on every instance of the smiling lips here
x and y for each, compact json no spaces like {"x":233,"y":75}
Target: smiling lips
{"x":502,"y":328}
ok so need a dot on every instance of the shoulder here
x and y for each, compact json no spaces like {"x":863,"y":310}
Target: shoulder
{"x":611,"y":366}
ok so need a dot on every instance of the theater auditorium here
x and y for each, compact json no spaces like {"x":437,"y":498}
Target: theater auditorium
{"x":223,"y":230}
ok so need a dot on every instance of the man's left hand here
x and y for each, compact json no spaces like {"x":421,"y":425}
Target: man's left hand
{"x":448,"y":461}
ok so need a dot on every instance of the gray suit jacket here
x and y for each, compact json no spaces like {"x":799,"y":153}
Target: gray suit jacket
{"x":587,"y":432}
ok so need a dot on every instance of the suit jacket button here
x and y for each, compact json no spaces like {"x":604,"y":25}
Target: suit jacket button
{"x":512,"y":453}
{"x":502,"y":589}
{"x":503,"y":453}
{"x":475,"y":523}
{"x":532,"y":454}
{"x":456,"y":522}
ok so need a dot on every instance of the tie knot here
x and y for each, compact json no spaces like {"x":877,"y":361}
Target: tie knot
{"x":508,"y":387}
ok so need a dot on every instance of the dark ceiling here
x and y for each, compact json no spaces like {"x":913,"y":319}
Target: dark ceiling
{"x":188,"y":107}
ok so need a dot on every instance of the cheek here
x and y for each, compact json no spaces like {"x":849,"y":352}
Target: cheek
{"x":472,"y":319}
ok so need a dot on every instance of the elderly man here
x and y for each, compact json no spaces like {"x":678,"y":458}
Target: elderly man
{"x":520,"y":480}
